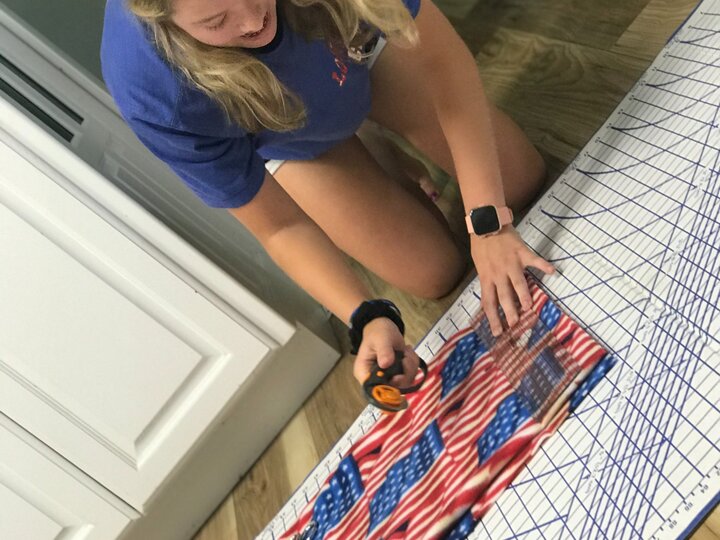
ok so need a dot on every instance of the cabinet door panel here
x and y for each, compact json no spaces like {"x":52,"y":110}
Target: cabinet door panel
{"x":39,"y":500}
{"x":106,"y":355}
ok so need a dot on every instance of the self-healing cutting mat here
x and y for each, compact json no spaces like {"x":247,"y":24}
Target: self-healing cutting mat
{"x":633,"y":228}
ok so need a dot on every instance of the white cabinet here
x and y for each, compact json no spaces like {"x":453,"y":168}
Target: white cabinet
{"x":109,"y":357}
{"x":39,"y":498}
{"x":141,"y":378}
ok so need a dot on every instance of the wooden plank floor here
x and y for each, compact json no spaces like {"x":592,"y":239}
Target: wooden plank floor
{"x":558,"y":67}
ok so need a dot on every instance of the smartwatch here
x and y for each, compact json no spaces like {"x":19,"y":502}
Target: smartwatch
{"x":486,"y":220}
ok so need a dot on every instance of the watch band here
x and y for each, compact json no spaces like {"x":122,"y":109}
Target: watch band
{"x":504,"y":216}
{"x":366,"y":312}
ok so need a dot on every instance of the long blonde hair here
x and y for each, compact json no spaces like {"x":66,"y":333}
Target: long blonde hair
{"x":245,"y":88}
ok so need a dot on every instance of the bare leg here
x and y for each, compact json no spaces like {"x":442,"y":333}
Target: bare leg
{"x":371,"y":217}
{"x":402,"y":103}
{"x":400,"y":166}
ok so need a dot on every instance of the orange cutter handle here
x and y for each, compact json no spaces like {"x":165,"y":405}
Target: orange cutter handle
{"x":380,"y":393}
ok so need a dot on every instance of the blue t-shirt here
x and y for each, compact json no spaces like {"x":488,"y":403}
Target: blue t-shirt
{"x":218,"y":160}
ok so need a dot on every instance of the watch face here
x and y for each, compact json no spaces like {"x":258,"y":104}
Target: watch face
{"x":485,"y":220}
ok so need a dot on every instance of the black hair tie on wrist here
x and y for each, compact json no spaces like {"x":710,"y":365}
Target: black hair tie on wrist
{"x":366,"y":312}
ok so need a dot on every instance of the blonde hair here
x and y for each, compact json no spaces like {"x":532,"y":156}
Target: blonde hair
{"x":244,"y":87}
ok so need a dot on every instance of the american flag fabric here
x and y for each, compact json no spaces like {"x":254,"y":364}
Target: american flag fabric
{"x":433,"y":470}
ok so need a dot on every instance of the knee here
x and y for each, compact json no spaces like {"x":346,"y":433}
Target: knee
{"x":537,"y":170}
{"x":522,"y":167}
{"x":537,"y":175}
{"x":531,"y":181}
{"x":440,"y":276}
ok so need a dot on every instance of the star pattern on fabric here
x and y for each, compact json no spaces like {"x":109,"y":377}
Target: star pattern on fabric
{"x":510,"y":415}
{"x":463,"y":528}
{"x":461,"y":361}
{"x":540,"y":381}
{"x":596,"y":375}
{"x":483,"y":332}
{"x":549,"y":317}
{"x":406,"y":472}
{"x":345,"y":488}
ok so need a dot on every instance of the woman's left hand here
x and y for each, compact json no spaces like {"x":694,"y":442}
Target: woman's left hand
{"x":500,"y":261}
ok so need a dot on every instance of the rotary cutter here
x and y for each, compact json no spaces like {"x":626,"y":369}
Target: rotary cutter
{"x":380,"y":393}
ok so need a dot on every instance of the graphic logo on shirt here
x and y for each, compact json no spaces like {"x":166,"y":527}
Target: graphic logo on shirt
{"x":341,"y":69}
{"x":359,"y":54}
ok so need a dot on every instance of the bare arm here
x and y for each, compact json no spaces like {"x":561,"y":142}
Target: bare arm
{"x":462,"y":108}
{"x":302,"y":249}
{"x":464,"y":115}
{"x":313,"y":261}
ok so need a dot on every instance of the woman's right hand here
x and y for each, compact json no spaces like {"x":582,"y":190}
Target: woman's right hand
{"x":381,"y":338}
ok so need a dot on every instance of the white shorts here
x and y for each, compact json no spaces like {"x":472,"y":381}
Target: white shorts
{"x":273,"y":165}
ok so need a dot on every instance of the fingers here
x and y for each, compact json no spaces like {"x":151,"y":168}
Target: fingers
{"x":489,"y":303}
{"x":361,"y":368}
{"x":381,"y":338}
{"x":366,"y":359}
{"x":508,"y":301}
{"x":501,"y":263}
{"x":410,"y":362}
{"x":385,"y":356}
{"x":530,"y":259}
{"x":522,"y":290}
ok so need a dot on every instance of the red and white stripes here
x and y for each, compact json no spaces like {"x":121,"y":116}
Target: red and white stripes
{"x":456,"y":481}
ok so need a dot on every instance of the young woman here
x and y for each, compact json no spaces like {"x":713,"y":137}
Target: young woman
{"x":256,"y":105}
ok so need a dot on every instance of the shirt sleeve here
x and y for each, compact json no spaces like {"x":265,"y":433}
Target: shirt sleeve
{"x":225,"y":172}
{"x":413,"y":6}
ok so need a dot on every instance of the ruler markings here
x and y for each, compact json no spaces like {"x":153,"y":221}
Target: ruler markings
{"x":633,"y":228}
